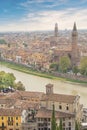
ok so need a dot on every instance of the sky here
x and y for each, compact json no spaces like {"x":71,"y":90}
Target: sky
{"x":36,"y":15}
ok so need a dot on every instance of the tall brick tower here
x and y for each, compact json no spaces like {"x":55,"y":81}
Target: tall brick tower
{"x":56,"y":30}
{"x":75,"y":51}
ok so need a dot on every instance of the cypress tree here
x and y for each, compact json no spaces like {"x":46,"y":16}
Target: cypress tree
{"x":60,"y":125}
{"x":77,"y":126}
{"x":53,"y":121}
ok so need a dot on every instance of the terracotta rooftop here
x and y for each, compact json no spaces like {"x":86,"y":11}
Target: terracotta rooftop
{"x":44,"y":113}
{"x":25,"y":94}
{"x":24,"y":104}
{"x":10,"y":112}
{"x":7,"y":101}
{"x":58,"y":98}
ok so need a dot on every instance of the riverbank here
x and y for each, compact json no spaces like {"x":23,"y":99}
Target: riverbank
{"x":27,"y":70}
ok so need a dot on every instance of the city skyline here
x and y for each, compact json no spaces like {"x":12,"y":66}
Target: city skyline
{"x":36,"y":15}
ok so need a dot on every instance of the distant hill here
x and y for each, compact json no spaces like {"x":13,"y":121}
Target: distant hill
{"x":2,"y":41}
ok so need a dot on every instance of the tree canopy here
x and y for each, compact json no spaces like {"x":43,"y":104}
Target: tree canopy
{"x":83,"y":66}
{"x":64,"y":63}
{"x":54,"y":66}
{"x":8,"y":80}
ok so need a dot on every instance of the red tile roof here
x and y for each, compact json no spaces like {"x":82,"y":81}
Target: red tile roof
{"x":58,"y":98}
{"x":44,"y":113}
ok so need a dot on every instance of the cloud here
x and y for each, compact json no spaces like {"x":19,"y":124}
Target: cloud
{"x":45,"y":20}
{"x":28,"y":2}
{"x":49,"y":3}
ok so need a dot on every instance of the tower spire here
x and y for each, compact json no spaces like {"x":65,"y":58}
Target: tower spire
{"x":56,"y":30}
{"x":74,"y":45}
{"x":74,"y":31}
{"x":74,"y":27}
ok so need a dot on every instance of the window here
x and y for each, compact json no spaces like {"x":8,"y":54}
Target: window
{"x":69,"y":128}
{"x":69,"y":118}
{"x":16,"y":118}
{"x":69,"y":123}
{"x":63,"y":124}
{"x":11,"y":118}
{"x":41,"y":119}
{"x":10,"y":123}
{"x":38,"y":119}
{"x":2,"y":117}
{"x":2,"y":124}
{"x":48,"y":119}
{"x":8,"y":118}
{"x":67,"y":107}
{"x":16,"y":124}
{"x":45,"y":119}
{"x":1,"y":105}
{"x":63,"y":119}
{"x":60,"y":107}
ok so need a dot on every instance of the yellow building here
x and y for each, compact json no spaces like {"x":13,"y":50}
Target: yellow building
{"x":10,"y":119}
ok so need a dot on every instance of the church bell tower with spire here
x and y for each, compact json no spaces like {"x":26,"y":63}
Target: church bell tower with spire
{"x":56,"y":30}
{"x":75,"y":51}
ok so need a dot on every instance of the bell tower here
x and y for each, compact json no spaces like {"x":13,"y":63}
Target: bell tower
{"x":49,"y":89}
{"x":74,"y":37}
{"x":74,"y":45}
{"x":56,"y":30}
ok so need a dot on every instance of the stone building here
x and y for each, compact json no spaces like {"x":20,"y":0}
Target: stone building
{"x":34,"y":109}
{"x":67,"y":108}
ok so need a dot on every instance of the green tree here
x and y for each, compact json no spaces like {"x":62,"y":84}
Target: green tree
{"x":75,"y":70}
{"x":8,"y":79}
{"x":54,"y":66}
{"x":57,"y":128}
{"x":76,"y":125}
{"x":64,"y":63}
{"x":19,"y":86}
{"x":83,"y":66}
{"x":60,"y":125}
{"x":1,"y":75}
{"x":53,"y":121}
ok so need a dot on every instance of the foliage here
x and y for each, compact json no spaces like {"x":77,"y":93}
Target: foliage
{"x":77,"y":126}
{"x":75,"y":70}
{"x":64,"y":63}
{"x":8,"y":79}
{"x":57,"y":128}
{"x":53,"y":122}
{"x":54,"y":66}
{"x":60,"y":125}
{"x":83,"y":66}
{"x":19,"y":86}
{"x":2,"y":41}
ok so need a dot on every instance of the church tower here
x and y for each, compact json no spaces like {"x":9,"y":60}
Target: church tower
{"x":74,"y":45}
{"x":56,"y":30}
{"x":49,"y":89}
{"x":74,"y":37}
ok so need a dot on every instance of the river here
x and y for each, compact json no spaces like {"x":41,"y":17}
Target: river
{"x":35,"y":83}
